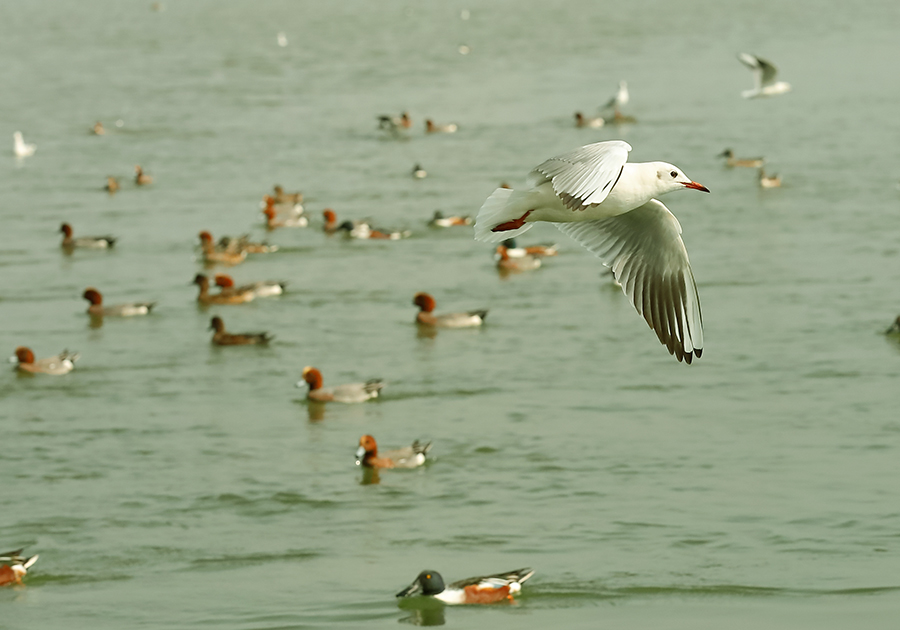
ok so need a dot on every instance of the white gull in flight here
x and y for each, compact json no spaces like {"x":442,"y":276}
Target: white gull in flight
{"x":763,"y":77}
{"x":608,"y":205}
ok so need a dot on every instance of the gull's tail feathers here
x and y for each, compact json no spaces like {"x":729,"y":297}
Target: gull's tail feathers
{"x":503,"y":206}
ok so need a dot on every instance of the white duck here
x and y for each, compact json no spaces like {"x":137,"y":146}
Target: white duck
{"x":608,"y":205}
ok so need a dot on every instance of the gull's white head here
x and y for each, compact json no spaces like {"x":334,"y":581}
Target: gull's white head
{"x":669,"y":177}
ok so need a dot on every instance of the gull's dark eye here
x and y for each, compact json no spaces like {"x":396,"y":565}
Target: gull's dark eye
{"x":674,"y":174}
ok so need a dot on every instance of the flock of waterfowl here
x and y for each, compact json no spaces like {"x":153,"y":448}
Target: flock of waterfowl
{"x":592,"y":194}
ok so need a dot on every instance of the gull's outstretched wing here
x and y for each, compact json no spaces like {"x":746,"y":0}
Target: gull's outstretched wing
{"x":754,"y":64}
{"x":644,"y":249}
{"x":584,"y":176}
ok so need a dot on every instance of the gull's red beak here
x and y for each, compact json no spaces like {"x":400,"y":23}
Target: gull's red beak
{"x":697,"y":186}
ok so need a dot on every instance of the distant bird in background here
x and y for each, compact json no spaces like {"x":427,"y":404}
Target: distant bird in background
{"x":98,"y":129}
{"x":395,"y":124}
{"x":731,"y":161}
{"x":768,"y":181}
{"x":282,"y":39}
{"x":587,"y":121}
{"x":618,"y":101}
{"x":112,"y":184}
{"x":432,"y":127}
{"x":418,"y":172}
{"x":140,"y":177}
{"x":763,"y":77}
{"x":20,"y":147}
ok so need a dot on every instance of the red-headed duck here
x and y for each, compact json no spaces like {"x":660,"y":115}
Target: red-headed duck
{"x":213,"y":255}
{"x":283,"y":197}
{"x":292,"y":217}
{"x":538,"y":251}
{"x":223,"y":297}
{"x":731,"y":161}
{"x":14,"y":566}
{"x":439,"y":220}
{"x":426,"y":316}
{"x":223,"y":338}
{"x":406,"y":457}
{"x":129,"y":309}
{"x":487,"y":589}
{"x":88,"y":242}
{"x":349,"y":393}
{"x":505,"y":263}
{"x":259,"y":289}
{"x":590,"y":122}
{"x":432,"y":127}
{"x":331,"y":223}
{"x":63,"y":363}
{"x":140,"y":177}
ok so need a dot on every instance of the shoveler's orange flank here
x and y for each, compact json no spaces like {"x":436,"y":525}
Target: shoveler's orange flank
{"x":487,"y":589}
{"x":223,"y":338}
{"x":349,"y":393}
{"x":406,"y":457}
{"x":363,"y":231}
{"x":539,"y":251}
{"x":88,"y":242}
{"x":14,"y":566}
{"x":63,"y":363}
{"x":426,"y":316}
{"x":128,"y":309}
{"x":439,"y":220}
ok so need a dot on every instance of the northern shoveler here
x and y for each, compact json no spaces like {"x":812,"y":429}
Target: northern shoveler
{"x":486,"y":589}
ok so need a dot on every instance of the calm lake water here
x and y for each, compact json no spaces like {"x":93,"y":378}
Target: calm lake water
{"x":168,"y":483}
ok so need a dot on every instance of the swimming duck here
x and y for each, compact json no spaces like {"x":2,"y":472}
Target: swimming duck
{"x":63,"y":363}
{"x":222,"y":297}
{"x":431,"y":127}
{"x":258,"y":289}
{"x":243,"y":244}
{"x":538,"y":251}
{"x":88,"y":242}
{"x":223,"y":338}
{"x":418,"y":172}
{"x":426,"y":316}
{"x":20,"y":148}
{"x":395,"y":124}
{"x":439,"y":220}
{"x":587,"y":121}
{"x":731,"y":161}
{"x":363,"y":231}
{"x":406,"y":457}
{"x":98,"y":129}
{"x":768,"y":181}
{"x":213,"y":255}
{"x":293,"y":219}
{"x":130,"y":309}
{"x":14,"y":566}
{"x":283,"y":197}
{"x":505,"y":263}
{"x":140,"y":177}
{"x":486,"y":589}
{"x":331,"y":225}
{"x":112,"y":185}
{"x":349,"y":393}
